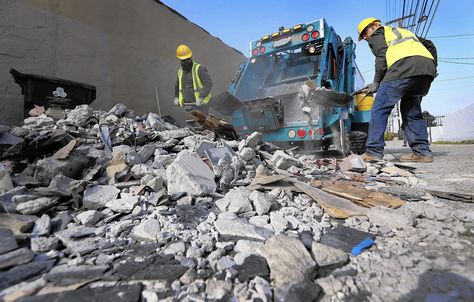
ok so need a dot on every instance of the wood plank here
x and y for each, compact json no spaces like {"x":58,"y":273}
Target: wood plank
{"x":335,"y":206}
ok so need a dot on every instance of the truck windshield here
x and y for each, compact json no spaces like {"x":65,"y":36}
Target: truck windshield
{"x":276,"y":74}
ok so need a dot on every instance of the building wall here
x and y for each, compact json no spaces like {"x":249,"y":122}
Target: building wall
{"x":459,"y":125}
{"x":125,"y":48}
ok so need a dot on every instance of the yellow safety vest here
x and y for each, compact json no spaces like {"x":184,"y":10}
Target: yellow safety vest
{"x":197,"y":85}
{"x":401,"y":44}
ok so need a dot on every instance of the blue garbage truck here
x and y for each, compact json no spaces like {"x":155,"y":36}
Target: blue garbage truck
{"x":297,"y":88}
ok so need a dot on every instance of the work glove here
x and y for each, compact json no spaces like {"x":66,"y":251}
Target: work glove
{"x":372,"y":87}
{"x":198,"y":102}
{"x":176,"y":101}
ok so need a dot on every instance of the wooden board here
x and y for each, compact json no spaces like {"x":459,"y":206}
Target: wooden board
{"x":335,"y":206}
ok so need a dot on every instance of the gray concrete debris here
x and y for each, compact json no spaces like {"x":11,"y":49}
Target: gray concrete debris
{"x":239,"y":200}
{"x":390,"y":218}
{"x":188,"y":173}
{"x":325,"y":255}
{"x":44,"y":244}
{"x":237,"y":228}
{"x":147,"y":230}
{"x":42,"y":226}
{"x":123,"y":205}
{"x":15,"y":257}
{"x":353,"y":163}
{"x":96,"y":197}
{"x":7,"y":241}
{"x":204,"y":233}
{"x":262,"y":202}
{"x":217,"y":289}
{"x":37,"y":205}
{"x":79,"y":115}
{"x":291,"y":268}
{"x":90,"y":217}
{"x":247,"y":154}
{"x":281,"y":160}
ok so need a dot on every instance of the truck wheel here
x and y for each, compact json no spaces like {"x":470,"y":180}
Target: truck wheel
{"x":325,"y":145}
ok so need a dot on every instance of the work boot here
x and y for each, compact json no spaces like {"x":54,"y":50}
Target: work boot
{"x":414,"y":158}
{"x":369,"y":158}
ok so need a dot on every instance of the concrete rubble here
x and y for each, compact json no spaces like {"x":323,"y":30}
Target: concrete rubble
{"x":113,"y":206}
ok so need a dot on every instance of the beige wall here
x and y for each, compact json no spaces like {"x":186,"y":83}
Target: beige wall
{"x":125,"y":48}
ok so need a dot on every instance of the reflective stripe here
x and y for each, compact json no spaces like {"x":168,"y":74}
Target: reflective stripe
{"x":399,"y":39}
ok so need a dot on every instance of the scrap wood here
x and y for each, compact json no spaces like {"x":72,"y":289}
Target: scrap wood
{"x":64,"y":151}
{"x":451,"y":195}
{"x":270,"y":182}
{"x":364,"y":197}
{"x":335,"y":206}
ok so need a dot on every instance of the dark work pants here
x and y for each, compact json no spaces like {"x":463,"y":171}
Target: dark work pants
{"x":410,"y":91}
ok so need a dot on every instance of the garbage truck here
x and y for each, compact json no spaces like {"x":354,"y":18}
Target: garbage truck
{"x":298,"y":88}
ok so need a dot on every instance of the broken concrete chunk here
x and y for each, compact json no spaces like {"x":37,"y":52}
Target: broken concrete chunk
{"x":7,"y":241}
{"x":147,"y":230}
{"x":97,"y":197}
{"x":90,"y":217}
{"x":253,"y":140}
{"x":37,"y":205}
{"x":326,"y":255}
{"x":261,"y":202}
{"x":42,"y":226}
{"x":79,"y":115}
{"x":278,"y":222}
{"x":174,"y":134}
{"x":44,"y":244}
{"x":39,"y":121}
{"x":237,"y":228}
{"x":188,"y":173}
{"x":284,"y":161}
{"x":217,"y":289}
{"x":391,"y":218}
{"x":353,"y":163}
{"x":247,"y":154}
{"x":123,"y":205}
{"x":291,"y":268}
{"x":16,"y":257}
{"x":239,"y":200}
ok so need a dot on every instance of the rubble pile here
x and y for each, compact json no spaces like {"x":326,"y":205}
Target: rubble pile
{"x":110,"y":206}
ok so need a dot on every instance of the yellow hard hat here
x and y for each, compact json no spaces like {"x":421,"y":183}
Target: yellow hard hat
{"x":183,"y":52}
{"x":363,"y":24}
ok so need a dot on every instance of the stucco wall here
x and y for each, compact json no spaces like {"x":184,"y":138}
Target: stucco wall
{"x":125,"y":48}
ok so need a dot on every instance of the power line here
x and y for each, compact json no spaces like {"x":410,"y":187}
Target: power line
{"x":454,"y":79}
{"x":466,"y":58}
{"x":432,"y":18}
{"x":451,"y":36}
{"x":461,"y":63}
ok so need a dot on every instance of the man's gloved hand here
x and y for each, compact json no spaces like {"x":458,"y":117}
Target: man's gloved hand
{"x":176,"y":101}
{"x":198,"y":102}
{"x":372,"y":87}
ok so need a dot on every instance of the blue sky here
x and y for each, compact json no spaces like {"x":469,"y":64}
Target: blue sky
{"x":238,"y":22}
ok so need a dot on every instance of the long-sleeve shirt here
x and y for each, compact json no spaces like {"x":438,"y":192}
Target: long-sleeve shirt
{"x":188,"y":90}
{"x":403,"y":68}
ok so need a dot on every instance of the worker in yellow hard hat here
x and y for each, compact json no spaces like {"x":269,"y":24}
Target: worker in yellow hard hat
{"x":405,"y":66}
{"x":193,"y":86}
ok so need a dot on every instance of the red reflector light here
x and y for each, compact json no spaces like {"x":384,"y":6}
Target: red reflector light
{"x":301,"y":133}
{"x":310,"y":132}
{"x":254,"y":52}
{"x":262,"y":49}
{"x":321,"y":131}
{"x":315,"y":34}
{"x":305,"y":37}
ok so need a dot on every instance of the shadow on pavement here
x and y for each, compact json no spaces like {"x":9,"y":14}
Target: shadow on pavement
{"x":440,"y":286}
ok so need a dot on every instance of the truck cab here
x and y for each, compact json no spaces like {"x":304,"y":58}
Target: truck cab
{"x":296,"y":87}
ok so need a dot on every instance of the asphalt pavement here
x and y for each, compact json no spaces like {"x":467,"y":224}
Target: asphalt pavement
{"x":452,"y":168}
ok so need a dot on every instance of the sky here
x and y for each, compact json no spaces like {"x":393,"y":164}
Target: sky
{"x":241,"y":21}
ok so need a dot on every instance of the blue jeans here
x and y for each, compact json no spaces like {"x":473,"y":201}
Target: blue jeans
{"x":410,"y":91}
